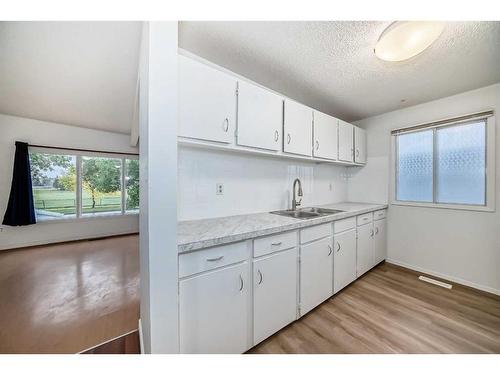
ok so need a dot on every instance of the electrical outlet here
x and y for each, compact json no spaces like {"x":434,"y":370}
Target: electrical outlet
{"x":219,"y":189}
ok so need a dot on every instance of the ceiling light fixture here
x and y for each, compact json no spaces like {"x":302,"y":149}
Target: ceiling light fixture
{"x":405,"y":39}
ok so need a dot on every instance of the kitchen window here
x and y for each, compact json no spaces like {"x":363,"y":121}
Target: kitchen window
{"x":447,"y":164}
{"x":73,"y":186}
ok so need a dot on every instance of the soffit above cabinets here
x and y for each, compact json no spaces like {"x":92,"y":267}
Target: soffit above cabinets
{"x":331,"y":66}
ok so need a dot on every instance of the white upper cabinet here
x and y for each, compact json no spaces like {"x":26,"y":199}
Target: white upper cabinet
{"x":297,"y":128}
{"x":359,"y":145}
{"x":346,"y":141}
{"x":325,"y":143}
{"x":260,"y":117}
{"x":207,"y":102}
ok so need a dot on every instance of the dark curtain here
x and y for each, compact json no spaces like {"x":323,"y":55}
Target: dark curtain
{"x":20,"y":209}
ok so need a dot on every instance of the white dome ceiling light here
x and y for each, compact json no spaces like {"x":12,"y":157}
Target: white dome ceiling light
{"x":405,"y":39}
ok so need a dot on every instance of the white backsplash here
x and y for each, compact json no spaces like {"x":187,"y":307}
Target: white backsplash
{"x":251,"y":183}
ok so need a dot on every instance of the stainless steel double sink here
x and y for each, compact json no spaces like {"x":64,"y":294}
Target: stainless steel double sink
{"x":307,"y":213}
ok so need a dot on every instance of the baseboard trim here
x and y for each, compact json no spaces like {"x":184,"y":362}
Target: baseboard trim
{"x":67,"y":240}
{"x":107,"y":341}
{"x":141,"y":338}
{"x":456,"y":280}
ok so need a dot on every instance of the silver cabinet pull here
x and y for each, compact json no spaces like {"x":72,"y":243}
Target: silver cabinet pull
{"x":317,"y":145}
{"x":338,"y":247}
{"x":289,"y":138}
{"x":331,"y":250}
{"x":226,"y":125}
{"x":357,"y":152}
{"x":241,"y":283}
{"x":371,"y":233}
{"x":376,"y":230}
{"x":276,"y":243}
{"x":261,"y":277}
{"x":276,"y":136}
{"x":215,"y":259}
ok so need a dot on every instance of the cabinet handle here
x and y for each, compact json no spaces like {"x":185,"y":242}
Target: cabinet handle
{"x":276,"y":243}
{"x":357,"y":152}
{"x":226,"y":125}
{"x":338,"y":247}
{"x":261,"y":277}
{"x":241,"y":283}
{"x":376,"y":230}
{"x":289,"y":138}
{"x":371,"y":233}
{"x":215,"y":259}
{"x":276,"y":135}
{"x":317,"y":145}
{"x":331,"y":250}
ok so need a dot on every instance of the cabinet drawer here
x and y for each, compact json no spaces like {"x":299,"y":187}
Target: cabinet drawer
{"x":277,"y":242}
{"x":380,"y":214}
{"x":204,"y":260}
{"x":365,"y":219}
{"x":345,"y":224}
{"x":315,"y":233}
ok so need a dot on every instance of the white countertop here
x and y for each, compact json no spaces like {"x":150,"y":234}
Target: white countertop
{"x":199,"y":234}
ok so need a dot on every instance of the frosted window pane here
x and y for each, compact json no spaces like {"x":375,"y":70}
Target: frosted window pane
{"x":415,"y":167}
{"x":461,"y":162}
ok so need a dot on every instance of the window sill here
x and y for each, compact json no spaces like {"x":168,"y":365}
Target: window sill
{"x":86,"y":217}
{"x":463,"y":207}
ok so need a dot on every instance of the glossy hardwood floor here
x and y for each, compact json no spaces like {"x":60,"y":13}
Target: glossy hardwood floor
{"x":65,"y":298}
{"x":389,"y":310}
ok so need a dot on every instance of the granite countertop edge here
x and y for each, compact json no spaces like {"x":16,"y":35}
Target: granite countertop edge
{"x":202,"y":240}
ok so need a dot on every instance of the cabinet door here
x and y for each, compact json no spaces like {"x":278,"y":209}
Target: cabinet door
{"x":275,"y":293}
{"x":359,"y":145}
{"x":316,"y":274}
{"x":346,"y":146}
{"x":260,"y":117}
{"x":344,"y":261}
{"x":207,"y":102}
{"x":365,"y":248}
{"x":298,"y":128}
{"x":325,"y":136}
{"x":214,"y":311}
{"x":380,"y":243}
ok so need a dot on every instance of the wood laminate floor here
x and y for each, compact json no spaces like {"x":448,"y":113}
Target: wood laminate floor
{"x":389,"y":310}
{"x":65,"y":298}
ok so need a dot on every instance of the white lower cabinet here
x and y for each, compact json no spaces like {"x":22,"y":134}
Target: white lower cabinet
{"x":214,"y":311}
{"x":275,"y":293}
{"x":365,"y":259}
{"x":380,"y":240}
{"x":316,"y":273}
{"x":344,"y":259}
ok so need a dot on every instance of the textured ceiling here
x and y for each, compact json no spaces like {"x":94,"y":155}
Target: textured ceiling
{"x":331,"y":65}
{"x":77,"y":73}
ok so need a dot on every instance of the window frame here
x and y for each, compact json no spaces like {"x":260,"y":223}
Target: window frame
{"x":490,"y":177}
{"x":79,"y":215}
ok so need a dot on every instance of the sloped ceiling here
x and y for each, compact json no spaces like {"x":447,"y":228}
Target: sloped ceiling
{"x":85,"y":73}
{"x":77,"y":73}
{"x":331,"y":66}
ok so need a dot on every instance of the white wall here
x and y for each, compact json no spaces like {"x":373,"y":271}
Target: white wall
{"x":158,"y":188}
{"x":462,"y":246}
{"x":251,"y":183}
{"x":51,"y":134}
